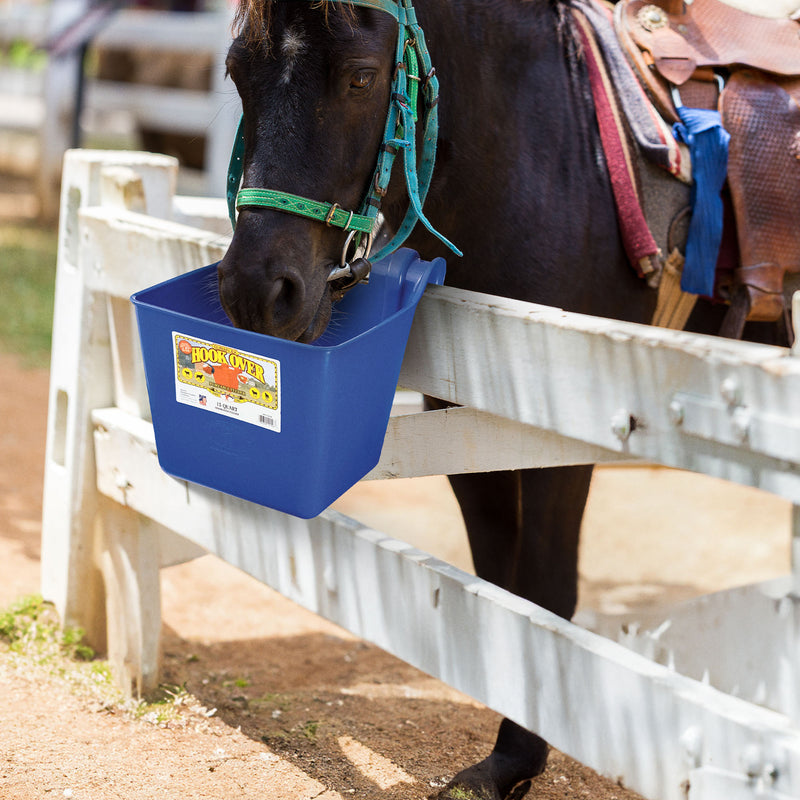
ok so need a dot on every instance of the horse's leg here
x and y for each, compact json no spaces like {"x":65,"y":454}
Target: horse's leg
{"x":523,"y":529}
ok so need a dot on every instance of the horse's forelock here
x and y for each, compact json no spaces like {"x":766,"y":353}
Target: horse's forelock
{"x":253,"y":18}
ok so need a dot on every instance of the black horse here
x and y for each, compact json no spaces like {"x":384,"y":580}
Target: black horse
{"x":520,"y":186}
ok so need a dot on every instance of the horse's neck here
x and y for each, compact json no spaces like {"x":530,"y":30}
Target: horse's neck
{"x":508,"y":88}
{"x":520,"y":176}
{"x":481,"y":50}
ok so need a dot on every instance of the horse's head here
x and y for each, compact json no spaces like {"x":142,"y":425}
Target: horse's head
{"x":315,"y":81}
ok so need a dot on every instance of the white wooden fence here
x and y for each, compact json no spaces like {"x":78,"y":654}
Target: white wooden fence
{"x":539,"y":386}
{"x":41,"y":103}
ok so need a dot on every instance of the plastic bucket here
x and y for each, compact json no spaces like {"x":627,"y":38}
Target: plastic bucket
{"x":290,"y":426}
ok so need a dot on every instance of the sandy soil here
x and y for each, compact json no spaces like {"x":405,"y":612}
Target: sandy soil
{"x":301,"y":709}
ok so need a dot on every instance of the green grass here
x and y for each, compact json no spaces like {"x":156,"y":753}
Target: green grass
{"x":27,"y":288}
{"x":310,"y":729}
{"x":33,"y":641}
{"x":23,"y":55}
{"x":31,"y":626}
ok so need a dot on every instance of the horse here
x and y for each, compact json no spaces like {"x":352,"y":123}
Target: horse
{"x":520,"y":187}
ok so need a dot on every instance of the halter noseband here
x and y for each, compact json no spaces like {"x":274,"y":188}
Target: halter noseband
{"x":399,"y":134}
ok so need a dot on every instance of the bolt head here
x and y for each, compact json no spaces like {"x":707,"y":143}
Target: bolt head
{"x":731,"y":391}
{"x":621,"y":424}
{"x":692,"y":741}
{"x":740,"y":424}
{"x":676,"y":412}
{"x":752,"y":761}
{"x":770,"y":773}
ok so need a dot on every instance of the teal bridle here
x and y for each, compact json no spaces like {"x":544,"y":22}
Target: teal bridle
{"x":413,"y":75}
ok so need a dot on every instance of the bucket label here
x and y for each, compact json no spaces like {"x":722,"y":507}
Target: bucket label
{"x":226,"y":381}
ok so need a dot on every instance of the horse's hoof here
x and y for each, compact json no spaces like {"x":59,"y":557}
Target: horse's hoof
{"x":456,"y":790}
{"x":519,"y":791}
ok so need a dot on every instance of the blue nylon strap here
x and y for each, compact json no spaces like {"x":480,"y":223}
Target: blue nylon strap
{"x":417,"y":179}
{"x":708,"y":141}
{"x":412,"y":183}
{"x":389,"y":6}
{"x":417,"y":185}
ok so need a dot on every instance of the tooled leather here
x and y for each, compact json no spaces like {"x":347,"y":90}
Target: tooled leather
{"x":764,"y":178}
{"x":711,"y":33}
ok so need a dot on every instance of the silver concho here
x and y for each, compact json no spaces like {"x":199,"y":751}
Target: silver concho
{"x":651,"y":18}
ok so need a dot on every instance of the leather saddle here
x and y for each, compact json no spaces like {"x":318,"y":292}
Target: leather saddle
{"x":708,"y":54}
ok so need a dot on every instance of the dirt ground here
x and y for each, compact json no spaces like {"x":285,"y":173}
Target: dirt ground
{"x":289,"y":707}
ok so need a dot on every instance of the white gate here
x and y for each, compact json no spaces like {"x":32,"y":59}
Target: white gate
{"x":539,"y":387}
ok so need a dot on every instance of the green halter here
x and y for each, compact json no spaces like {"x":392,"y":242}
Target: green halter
{"x":399,"y":135}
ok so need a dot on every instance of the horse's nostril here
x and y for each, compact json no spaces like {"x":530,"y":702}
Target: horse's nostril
{"x":284,"y":301}
{"x":280,"y":292}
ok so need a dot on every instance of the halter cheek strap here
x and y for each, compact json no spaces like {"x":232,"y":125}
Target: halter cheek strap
{"x":399,"y":136}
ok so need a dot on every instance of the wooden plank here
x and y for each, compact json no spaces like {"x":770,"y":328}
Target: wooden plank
{"x":637,"y":718}
{"x":457,"y":440}
{"x":741,"y":640}
{"x":589,"y":378}
{"x":164,"y":108}
{"x":710,"y":783}
{"x":206,"y":213}
{"x":128,"y":556}
{"x":137,"y":251}
{"x":174,"y":32}
{"x":581,"y":377}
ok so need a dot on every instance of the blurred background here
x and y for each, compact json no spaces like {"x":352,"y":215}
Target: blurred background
{"x":107,"y":74}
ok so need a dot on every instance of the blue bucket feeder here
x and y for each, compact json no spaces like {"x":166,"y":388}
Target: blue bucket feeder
{"x":290,"y":426}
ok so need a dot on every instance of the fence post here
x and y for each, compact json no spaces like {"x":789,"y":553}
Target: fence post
{"x":129,"y":558}
{"x":81,"y":379}
{"x":60,"y":83}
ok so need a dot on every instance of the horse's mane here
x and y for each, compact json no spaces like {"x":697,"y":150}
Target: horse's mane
{"x":254,"y":17}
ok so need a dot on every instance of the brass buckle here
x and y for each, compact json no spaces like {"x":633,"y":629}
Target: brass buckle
{"x":329,"y":215}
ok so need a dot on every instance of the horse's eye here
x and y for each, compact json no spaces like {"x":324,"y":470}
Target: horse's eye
{"x":362,"y":79}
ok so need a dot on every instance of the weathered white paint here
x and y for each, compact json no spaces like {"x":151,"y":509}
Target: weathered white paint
{"x":81,"y":378}
{"x":454,"y":440}
{"x":579,"y":376}
{"x":571,"y":376}
{"x":634,"y":712}
{"x":742,"y":641}
{"x":453,"y":353}
{"x":353,"y":576}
